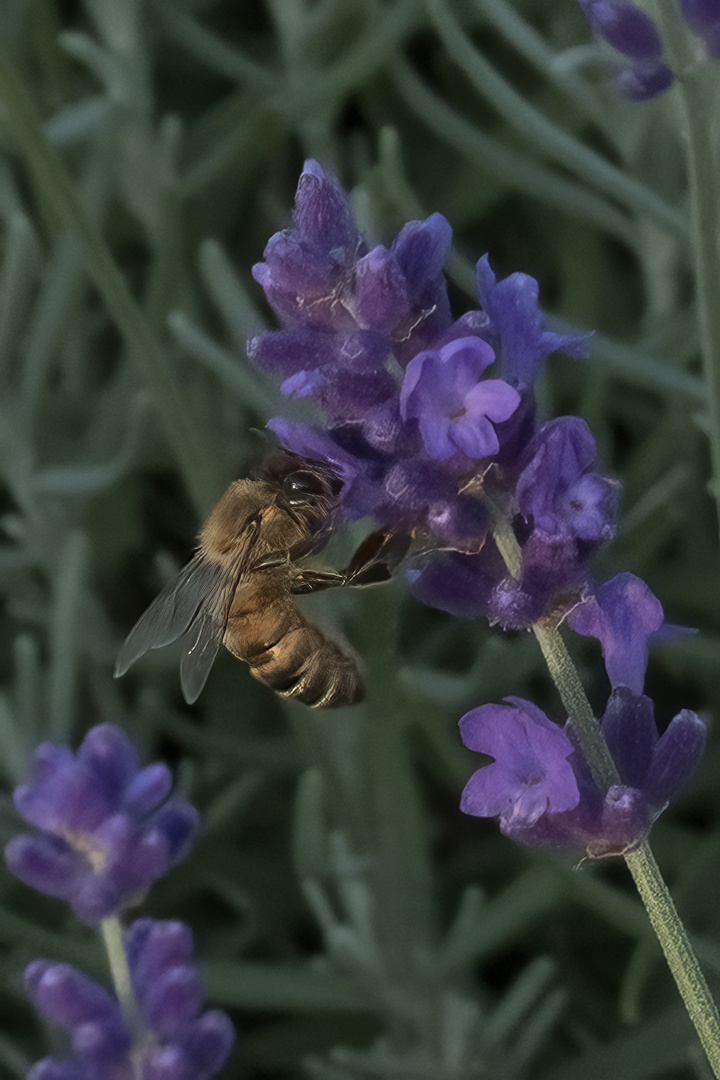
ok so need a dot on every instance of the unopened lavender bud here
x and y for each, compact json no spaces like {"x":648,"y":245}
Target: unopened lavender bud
{"x":625,"y":27}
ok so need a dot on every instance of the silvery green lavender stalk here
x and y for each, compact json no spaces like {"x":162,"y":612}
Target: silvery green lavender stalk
{"x":107,"y":828}
{"x":431,"y":422}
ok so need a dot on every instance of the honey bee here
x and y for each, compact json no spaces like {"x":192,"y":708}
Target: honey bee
{"x":239,"y":589}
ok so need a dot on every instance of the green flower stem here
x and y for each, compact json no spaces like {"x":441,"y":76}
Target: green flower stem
{"x":564,"y":675}
{"x":57,"y":191}
{"x":560,"y":666}
{"x":641,"y":863}
{"x":111,"y":929}
{"x":697,"y":91}
{"x":681,"y":959}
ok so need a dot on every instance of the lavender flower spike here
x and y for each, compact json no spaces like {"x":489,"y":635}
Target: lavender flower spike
{"x":171,"y":1040}
{"x":634,"y":34}
{"x":540,"y":786}
{"x":625,"y":27}
{"x":421,"y":438}
{"x":107,"y":826}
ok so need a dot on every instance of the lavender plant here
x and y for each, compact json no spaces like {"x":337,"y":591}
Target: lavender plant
{"x":107,"y":831}
{"x":506,"y":513}
{"x":349,"y":917}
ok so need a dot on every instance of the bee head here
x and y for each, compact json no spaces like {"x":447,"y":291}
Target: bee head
{"x":306,"y":487}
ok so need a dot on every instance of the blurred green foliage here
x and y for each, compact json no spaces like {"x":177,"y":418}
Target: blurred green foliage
{"x":346,"y":914}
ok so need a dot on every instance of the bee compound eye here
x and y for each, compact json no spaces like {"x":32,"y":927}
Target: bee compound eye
{"x":300,"y":486}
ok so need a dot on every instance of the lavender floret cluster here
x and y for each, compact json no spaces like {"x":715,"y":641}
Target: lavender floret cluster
{"x":703,"y":17}
{"x":540,"y":786}
{"x":634,"y":35}
{"x":424,"y":413}
{"x":431,"y":423}
{"x":169,"y":1038}
{"x":108,"y":829}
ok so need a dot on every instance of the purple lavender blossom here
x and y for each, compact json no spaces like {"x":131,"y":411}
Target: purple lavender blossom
{"x":622,"y":614}
{"x":644,"y":80}
{"x":540,"y":786}
{"x":170,"y":1039}
{"x":625,"y":27}
{"x":530,"y":776}
{"x":454,"y":410}
{"x":660,"y":766}
{"x":701,"y":14}
{"x":566,"y":512}
{"x":417,"y":426}
{"x":308,"y":268}
{"x":107,"y":826}
{"x":633,"y":34}
{"x":321,"y":274}
{"x":516,"y":326}
{"x":556,"y":489}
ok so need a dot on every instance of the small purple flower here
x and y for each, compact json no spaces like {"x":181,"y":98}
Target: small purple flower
{"x":566,"y":511}
{"x":420,"y":249}
{"x":634,"y":34}
{"x":170,"y":1039}
{"x":454,"y":410}
{"x":321,"y":273}
{"x":644,"y":80}
{"x":622,"y":614}
{"x":701,"y":14}
{"x":658,"y":765}
{"x":540,"y":786}
{"x":517,"y":324}
{"x":557,"y":491}
{"x":308,"y":268}
{"x":351,"y":316}
{"x":531,"y":774}
{"x":107,"y":826}
{"x":461,"y":585}
{"x":625,"y":27}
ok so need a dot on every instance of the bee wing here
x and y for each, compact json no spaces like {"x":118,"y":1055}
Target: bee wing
{"x":200,"y":645}
{"x":193,"y":607}
{"x":170,"y":613}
